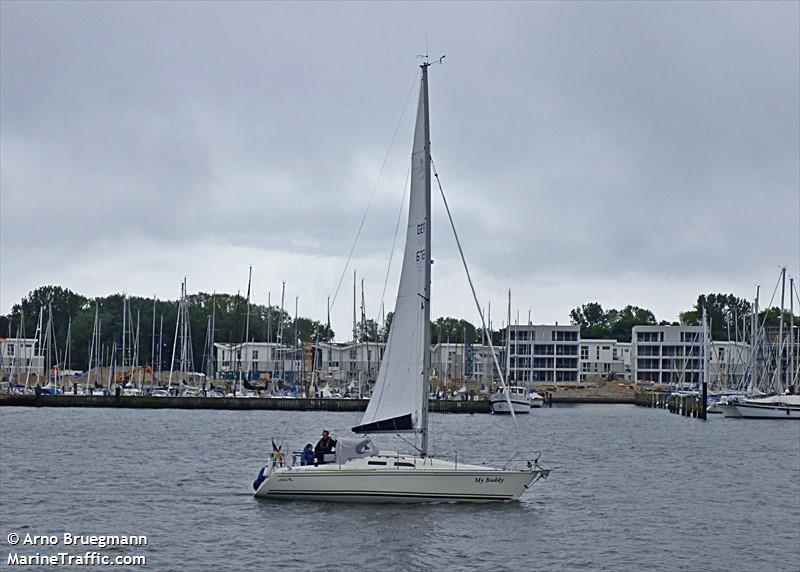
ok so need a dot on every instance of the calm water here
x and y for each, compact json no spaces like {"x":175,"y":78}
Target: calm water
{"x":632,"y":489}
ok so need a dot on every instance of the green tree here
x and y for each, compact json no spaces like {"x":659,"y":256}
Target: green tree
{"x":367,"y":331}
{"x":452,"y":330}
{"x":597,"y":323}
{"x":723,"y":312}
{"x":592,"y":319}
{"x":622,"y":321}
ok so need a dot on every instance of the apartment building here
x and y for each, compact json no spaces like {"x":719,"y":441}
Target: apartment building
{"x":667,"y":354}
{"x":604,"y":359}
{"x":544,"y":354}
{"x":18,"y":356}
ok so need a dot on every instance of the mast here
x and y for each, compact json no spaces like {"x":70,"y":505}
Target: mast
{"x":426,"y":295}
{"x":280,"y":331}
{"x":124,"y":317}
{"x":508,"y":341}
{"x":91,"y":348}
{"x":779,"y":353}
{"x":160,"y":346}
{"x":355,"y":329}
{"x":67,"y":356}
{"x":706,"y":348}
{"x":175,"y":340}
{"x":211,"y":343}
{"x":754,"y":332}
{"x":247,"y":326}
{"x":791,"y":333}
{"x":136,"y":352}
{"x":153,"y":347}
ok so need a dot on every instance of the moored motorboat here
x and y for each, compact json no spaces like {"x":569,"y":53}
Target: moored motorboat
{"x":517,"y":398}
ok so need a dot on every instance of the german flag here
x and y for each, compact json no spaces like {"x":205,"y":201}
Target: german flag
{"x":276,"y":453}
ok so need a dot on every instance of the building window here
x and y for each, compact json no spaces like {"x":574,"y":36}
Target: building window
{"x":255,"y":354}
{"x":650,"y":337}
{"x":561,"y":336}
{"x":584,"y":352}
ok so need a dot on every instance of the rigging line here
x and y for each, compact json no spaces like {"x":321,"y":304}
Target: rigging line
{"x":374,"y":190}
{"x":477,"y":304}
{"x":394,"y":240}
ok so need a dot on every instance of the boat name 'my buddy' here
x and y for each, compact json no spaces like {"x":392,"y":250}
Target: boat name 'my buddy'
{"x":482,"y":480}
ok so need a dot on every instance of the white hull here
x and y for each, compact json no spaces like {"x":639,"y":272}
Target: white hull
{"x":728,"y":410}
{"x":414,"y":480}
{"x":537,"y":400}
{"x":498,"y":402}
{"x":520,"y":407}
{"x":768,"y":411}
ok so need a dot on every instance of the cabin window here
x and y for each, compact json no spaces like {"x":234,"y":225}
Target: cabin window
{"x":402,"y":464}
{"x":376,"y":463}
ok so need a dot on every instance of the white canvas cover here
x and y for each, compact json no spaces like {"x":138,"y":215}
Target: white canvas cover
{"x":347,"y":449}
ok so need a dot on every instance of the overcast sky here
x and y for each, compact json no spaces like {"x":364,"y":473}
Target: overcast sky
{"x":622,"y":153}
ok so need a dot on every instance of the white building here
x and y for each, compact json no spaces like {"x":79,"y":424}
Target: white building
{"x":728,"y":363}
{"x":459,"y":365}
{"x":544,"y":354}
{"x":604,"y":359}
{"x":19,"y":357}
{"x":256,"y":360}
{"x":667,"y":354}
{"x":341,"y":363}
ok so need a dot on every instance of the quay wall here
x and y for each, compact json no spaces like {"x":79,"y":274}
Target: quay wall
{"x":277,"y":404}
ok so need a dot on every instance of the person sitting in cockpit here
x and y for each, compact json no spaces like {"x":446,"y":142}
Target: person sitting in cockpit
{"x":324,"y":445}
{"x":307,"y":456}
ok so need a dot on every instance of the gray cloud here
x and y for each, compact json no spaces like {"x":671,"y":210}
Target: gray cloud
{"x":578,"y":143}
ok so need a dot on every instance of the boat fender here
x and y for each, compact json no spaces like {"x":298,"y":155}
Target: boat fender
{"x":262,"y":475}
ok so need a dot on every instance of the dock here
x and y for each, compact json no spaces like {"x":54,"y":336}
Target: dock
{"x":686,"y":405}
{"x":261,"y":403}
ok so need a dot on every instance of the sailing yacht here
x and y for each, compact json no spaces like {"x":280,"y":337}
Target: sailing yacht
{"x":359,"y":471}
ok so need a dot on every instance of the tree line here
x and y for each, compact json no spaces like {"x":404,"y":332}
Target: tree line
{"x":229,"y":311}
{"x":728,"y":316}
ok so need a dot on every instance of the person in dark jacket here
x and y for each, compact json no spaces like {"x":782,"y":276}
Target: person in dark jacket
{"x":307,"y":456}
{"x":324,"y":445}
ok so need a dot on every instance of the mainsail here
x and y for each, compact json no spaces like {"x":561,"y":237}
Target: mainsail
{"x":399,"y":401}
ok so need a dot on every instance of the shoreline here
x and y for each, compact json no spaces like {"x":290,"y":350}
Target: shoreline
{"x":260,"y":403}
